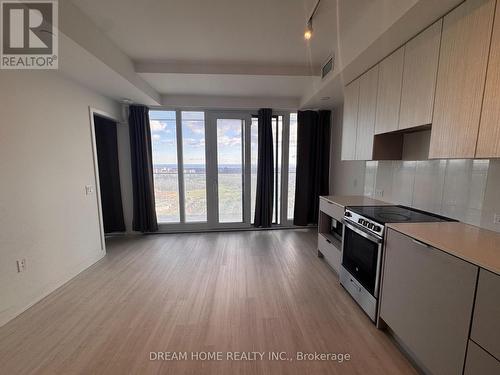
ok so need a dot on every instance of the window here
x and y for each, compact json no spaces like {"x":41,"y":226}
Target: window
{"x":205,"y":167}
{"x":165,"y":165}
{"x":254,"y":149}
{"x":292,"y":164}
{"x":194,"y":165}
{"x":277,"y":130}
{"x":230,"y":168}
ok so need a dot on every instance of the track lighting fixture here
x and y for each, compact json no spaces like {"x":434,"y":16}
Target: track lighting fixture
{"x":308,"y":33}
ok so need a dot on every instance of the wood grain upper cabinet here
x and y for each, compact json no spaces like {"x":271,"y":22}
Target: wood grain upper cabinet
{"x":350,"y":122}
{"x":390,"y":78}
{"x":366,"y":114}
{"x":461,"y":78}
{"x":419,"y":77}
{"x":488,"y":145}
{"x":427,"y":298}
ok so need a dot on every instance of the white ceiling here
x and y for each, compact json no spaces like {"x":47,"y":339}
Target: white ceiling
{"x":228,"y":84}
{"x":192,"y":52}
{"x":245,"y":31}
{"x":243,"y":42}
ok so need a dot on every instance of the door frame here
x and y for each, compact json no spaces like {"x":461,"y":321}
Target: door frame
{"x":211,"y":155}
{"x":94,"y":111}
{"x":211,"y":150}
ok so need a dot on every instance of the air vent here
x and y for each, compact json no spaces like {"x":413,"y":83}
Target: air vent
{"x":327,"y":67}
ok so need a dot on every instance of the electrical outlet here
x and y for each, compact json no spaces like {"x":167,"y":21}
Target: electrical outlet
{"x":21,"y":265}
{"x":89,"y":189}
{"x":379,"y":193}
{"x":496,"y":219}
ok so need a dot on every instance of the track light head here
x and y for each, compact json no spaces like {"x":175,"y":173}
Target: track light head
{"x":309,"y":30}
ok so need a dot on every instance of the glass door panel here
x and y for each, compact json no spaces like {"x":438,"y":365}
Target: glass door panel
{"x":292,"y":165}
{"x":205,"y":167}
{"x":230,"y":169}
{"x":254,"y":149}
{"x":165,"y":165}
{"x":193,"y":151}
{"x":277,"y":130}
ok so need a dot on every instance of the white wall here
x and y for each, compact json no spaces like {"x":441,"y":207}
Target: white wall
{"x":45,"y":163}
{"x":361,"y":22}
{"x":346,"y":177}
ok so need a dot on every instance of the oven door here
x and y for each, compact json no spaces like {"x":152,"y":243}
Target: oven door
{"x":361,"y":256}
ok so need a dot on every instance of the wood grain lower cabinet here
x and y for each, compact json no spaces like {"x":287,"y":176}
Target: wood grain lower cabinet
{"x":331,"y":209}
{"x":350,"y":121}
{"x":330,"y":249}
{"x":479,"y":362}
{"x":427,"y":299}
{"x":461,"y":77}
{"x":486,"y":321}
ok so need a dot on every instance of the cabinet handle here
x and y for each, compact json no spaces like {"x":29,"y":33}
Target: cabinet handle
{"x":420,"y":243}
{"x":327,"y":240}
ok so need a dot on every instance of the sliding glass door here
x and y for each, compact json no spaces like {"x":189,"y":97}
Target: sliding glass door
{"x":205,"y":168}
{"x":229,"y":168}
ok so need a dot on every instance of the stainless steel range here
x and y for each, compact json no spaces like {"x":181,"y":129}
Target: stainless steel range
{"x":362,"y":247}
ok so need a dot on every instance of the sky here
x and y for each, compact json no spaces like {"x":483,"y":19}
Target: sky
{"x":229,"y":138}
{"x":163,"y":130}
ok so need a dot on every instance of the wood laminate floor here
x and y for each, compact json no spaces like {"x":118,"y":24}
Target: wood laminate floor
{"x":262,"y":291}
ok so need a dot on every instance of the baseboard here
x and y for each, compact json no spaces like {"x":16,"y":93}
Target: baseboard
{"x":16,"y":310}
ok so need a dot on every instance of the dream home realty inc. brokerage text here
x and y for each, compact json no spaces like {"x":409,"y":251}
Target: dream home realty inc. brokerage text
{"x":249,"y":356}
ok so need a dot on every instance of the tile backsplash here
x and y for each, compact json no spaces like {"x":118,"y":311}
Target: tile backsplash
{"x":466,"y":190}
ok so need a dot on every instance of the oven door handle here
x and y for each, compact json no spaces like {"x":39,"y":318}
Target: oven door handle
{"x":361,"y":232}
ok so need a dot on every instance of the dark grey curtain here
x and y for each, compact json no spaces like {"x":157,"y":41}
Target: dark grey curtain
{"x":142,"y":170}
{"x":313,"y":156}
{"x":265,"y":179}
{"x":109,"y":174}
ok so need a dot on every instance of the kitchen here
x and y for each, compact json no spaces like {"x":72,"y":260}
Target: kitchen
{"x":257,"y":187}
{"x":417,"y":244}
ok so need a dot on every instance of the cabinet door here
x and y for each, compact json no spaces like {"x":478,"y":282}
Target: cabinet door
{"x":486,"y":322}
{"x":488,"y":145}
{"x":366,"y":114}
{"x":390,"y":78}
{"x":419,"y":77}
{"x":480,"y":362}
{"x":350,"y":122}
{"x":427,"y":298}
{"x":461,"y":78}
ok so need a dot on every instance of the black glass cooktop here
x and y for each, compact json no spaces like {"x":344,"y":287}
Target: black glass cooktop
{"x":396,"y":214}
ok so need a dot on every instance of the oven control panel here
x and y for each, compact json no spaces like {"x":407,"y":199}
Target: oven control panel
{"x":369,"y":225}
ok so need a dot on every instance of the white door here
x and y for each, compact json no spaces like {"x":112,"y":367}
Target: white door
{"x":228,"y":169}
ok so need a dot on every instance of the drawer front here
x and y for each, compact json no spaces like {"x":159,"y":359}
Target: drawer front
{"x":479,"y":362}
{"x":486,"y":320}
{"x":331,"y":209}
{"x":330,"y":252}
{"x":427,"y":299}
